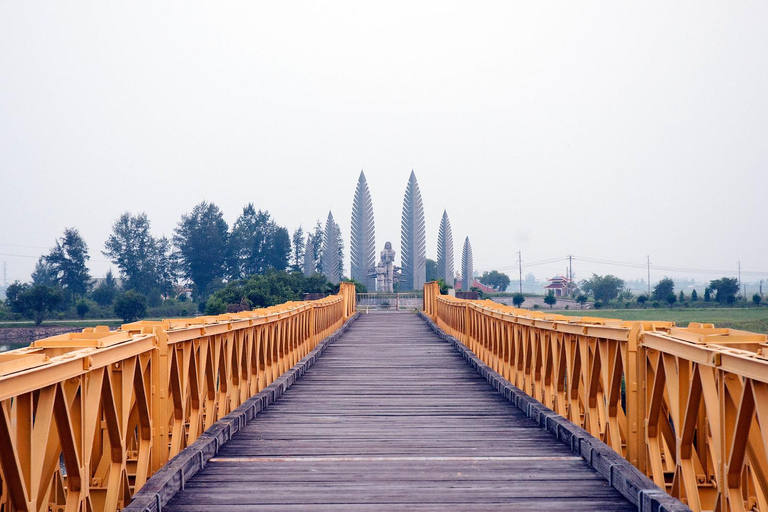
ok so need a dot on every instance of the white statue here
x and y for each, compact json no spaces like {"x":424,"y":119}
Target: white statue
{"x":385,"y":270}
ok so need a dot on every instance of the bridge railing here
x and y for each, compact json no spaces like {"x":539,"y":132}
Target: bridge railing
{"x":687,"y":406}
{"x":87,"y":418}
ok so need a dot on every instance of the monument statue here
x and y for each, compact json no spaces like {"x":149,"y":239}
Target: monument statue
{"x":413,"y":240}
{"x":445,"y":251}
{"x":362,"y":244}
{"x":386,"y":272}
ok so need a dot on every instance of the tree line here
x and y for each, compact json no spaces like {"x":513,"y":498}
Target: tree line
{"x":203,"y":255}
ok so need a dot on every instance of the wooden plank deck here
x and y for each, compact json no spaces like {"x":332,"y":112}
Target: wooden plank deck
{"x":392,"y":418}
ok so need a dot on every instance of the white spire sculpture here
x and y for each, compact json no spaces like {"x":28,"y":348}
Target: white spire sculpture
{"x":445,"y":251}
{"x":331,"y":251}
{"x":413,"y":250}
{"x":467,"y":272}
{"x":362,"y":244}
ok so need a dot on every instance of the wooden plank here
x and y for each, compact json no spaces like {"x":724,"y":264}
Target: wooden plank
{"x":391,"y":417}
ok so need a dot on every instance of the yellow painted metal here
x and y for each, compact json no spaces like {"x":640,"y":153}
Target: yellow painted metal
{"x":87,"y":418}
{"x":687,"y":406}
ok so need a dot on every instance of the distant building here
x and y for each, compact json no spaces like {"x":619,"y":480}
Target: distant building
{"x":559,"y":285}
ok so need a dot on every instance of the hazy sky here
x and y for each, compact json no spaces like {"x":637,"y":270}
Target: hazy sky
{"x":601,"y":129}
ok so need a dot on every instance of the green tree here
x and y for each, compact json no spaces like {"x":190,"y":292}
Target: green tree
{"x":550,"y":299}
{"x":681,"y":297}
{"x":581,"y":299}
{"x":67,"y":261}
{"x":726,"y":288}
{"x":671,"y":299}
{"x":43,"y":273}
{"x":274,"y":287}
{"x":518,"y":299}
{"x":432,"y":274}
{"x":105,"y":293}
{"x":36,"y":301}
{"x":707,"y":294}
{"x":663,"y":288}
{"x":642,"y":299}
{"x":201,"y":239}
{"x":495,"y":279}
{"x":757,"y":299}
{"x":257,"y":244}
{"x":297,"y":250}
{"x":131,"y":306}
{"x":694,"y":296}
{"x":603,"y":288}
{"x":82,"y":307}
{"x":317,"y":246}
{"x":146,"y":263}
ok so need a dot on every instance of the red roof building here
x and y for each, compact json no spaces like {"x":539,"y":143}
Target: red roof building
{"x":559,"y":285}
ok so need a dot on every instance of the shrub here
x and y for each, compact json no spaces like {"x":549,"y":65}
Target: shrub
{"x":131,"y":306}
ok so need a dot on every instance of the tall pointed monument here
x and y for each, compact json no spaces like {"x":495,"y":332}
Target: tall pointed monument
{"x":467,"y":272}
{"x":362,"y":243}
{"x":413,"y":239}
{"x":331,"y":251}
{"x":445,"y":251}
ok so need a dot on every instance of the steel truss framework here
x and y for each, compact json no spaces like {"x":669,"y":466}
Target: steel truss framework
{"x":86,"y":418}
{"x":687,"y":406}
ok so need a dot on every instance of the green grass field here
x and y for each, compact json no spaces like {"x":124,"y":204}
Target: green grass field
{"x":111,"y":322}
{"x":746,"y":319}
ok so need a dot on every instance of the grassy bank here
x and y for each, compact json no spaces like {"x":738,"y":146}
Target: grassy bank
{"x":746,"y":319}
{"x":111,"y":322}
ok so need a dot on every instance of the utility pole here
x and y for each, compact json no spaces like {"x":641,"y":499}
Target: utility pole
{"x":520,"y":266}
{"x":570,"y":274}
{"x":648,"y":259}
{"x":740,"y":274}
{"x":761,"y":288}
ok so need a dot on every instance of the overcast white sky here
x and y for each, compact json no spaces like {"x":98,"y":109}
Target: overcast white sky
{"x":600,"y":129}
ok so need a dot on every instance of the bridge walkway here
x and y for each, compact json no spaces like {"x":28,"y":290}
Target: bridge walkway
{"x":392,"y":418}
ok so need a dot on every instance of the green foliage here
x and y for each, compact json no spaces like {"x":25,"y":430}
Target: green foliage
{"x":201,"y":239}
{"x":707,"y":294}
{"x":67,"y":264}
{"x":726,"y":288}
{"x":495,"y":279}
{"x":694,"y":296}
{"x":432,"y":274}
{"x":359,"y":287}
{"x":43,"y":273}
{"x":478,"y":291}
{"x":550,"y":299}
{"x":258,"y":244}
{"x":757,"y":299}
{"x":681,"y":297}
{"x":274,"y":287}
{"x":443,"y":287}
{"x":82,"y":307}
{"x":671,"y":299}
{"x":603,"y":288}
{"x":581,"y":299}
{"x":297,"y":250}
{"x":34,"y":301}
{"x":663,"y":288}
{"x":131,"y":306}
{"x":105,"y":293}
{"x":145,"y":262}
{"x":642,"y":299}
{"x":317,"y":246}
{"x":598,"y":304}
{"x":215,"y":306}
{"x":519,"y":298}
{"x":656,"y":304}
